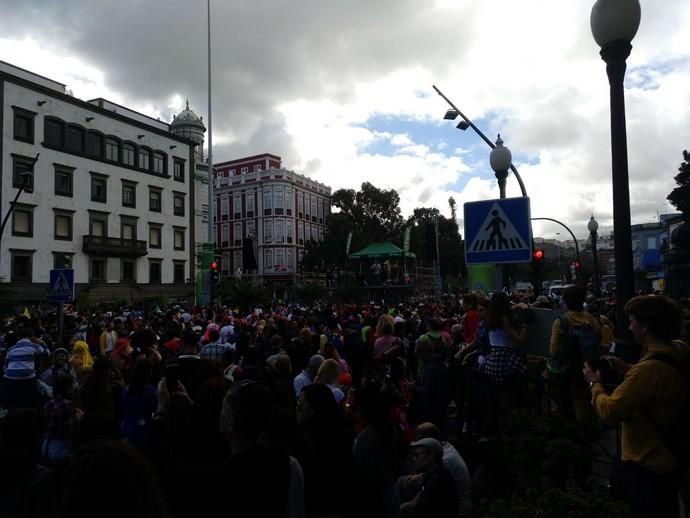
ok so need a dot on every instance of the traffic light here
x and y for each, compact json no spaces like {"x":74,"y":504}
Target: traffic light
{"x":213,"y":279}
{"x":538,"y":258}
{"x":574,"y":269}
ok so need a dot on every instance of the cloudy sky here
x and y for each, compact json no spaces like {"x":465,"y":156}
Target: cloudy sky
{"x":342,"y":90}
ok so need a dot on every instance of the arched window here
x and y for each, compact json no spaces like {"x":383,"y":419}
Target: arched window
{"x":112,"y":149}
{"x":94,"y":144}
{"x":128,"y":154}
{"x":159,"y":162}
{"x":53,"y":132}
{"x":144,"y":159}
{"x":74,"y":139}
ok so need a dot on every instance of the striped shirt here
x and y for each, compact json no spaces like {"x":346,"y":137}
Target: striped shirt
{"x":20,"y":359}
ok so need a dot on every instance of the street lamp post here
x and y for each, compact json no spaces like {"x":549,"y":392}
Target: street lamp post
{"x":26,"y":180}
{"x":593,"y":226}
{"x":614,"y":24}
{"x":500,"y":160}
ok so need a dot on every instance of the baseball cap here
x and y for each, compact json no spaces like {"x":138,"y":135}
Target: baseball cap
{"x":431,"y":444}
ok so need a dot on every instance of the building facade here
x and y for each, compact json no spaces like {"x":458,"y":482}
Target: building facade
{"x":112,"y":195}
{"x":279,"y":210}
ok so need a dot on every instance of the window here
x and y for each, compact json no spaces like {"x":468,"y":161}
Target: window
{"x":251,"y":229}
{"x":178,"y":272}
{"x":75,"y":139}
{"x":155,"y":270}
{"x":232,"y":172}
{"x":268,"y":203}
{"x":290,"y":260}
{"x":97,"y":270}
{"x":112,"y":149}
{"x":225,"y":264}
{"x":178,"y":169}
{"x":314,"y":233}
{"x":300,"y":232}
{"x":178,"y":204}
{"x":129,"y":194}
{"x":128,"y":154}
{"x":288,"y":231}
{"x":128,"y":270}
{"x":62,"y":260}
{"x":313,"y":208}
{"x":280,"y":257}
{"x":204,"y":212}
{"x":99,"y":188}
{"x":300,"y":204}
{"x":178,"y":238}
{"x":23,"y":125}
{"x":144,"y":159}
{"x":306,"y":206}
{"x":22,"y":172}
{"x":244,"y":170}
{"x":94,"y":145}
{"x":63,"y":225}
{"x":280,"y":231}
{"x":21,"y":266}
{"x":651,"y":242}
{"x":237,"y":206}
{"x":159,"y":163}
{"x":250,"y":204}
{"x":128,"y":227}
{"x":53,"y":132}
{"x":278,"y":201}
{"x":237,"y":234}
{"x":64,"y":180}
{"x":155,"y":235}
{"x":155,"y":198}
{"x":268,"y":260}
{"x":225,"y":234}
{"x":289,"y":201}
{"x":98,"y":224}
{"x":23,"y":221}
{"x":320,"y":211}
{"x":268,"y":231}
{"x":257,"y":168}
{"x":237,"y":260}
{"x":224,"y":208}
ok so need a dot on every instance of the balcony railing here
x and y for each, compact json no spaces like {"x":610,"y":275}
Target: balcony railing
{"x":114,"y":246}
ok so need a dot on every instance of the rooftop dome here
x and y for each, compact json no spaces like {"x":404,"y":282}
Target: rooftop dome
{"x":188,"y":117}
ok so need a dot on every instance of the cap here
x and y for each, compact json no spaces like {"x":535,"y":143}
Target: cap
{"x":431,"y":444}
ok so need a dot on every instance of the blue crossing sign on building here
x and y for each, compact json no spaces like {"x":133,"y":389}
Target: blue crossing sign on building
{"x":498,"y":231}
{"x":61,"y":287}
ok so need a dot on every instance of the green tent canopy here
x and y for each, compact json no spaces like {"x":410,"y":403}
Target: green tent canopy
{"x":380,"y":251}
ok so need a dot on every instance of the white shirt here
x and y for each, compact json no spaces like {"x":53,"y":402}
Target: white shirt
{"x":303,"y":379}
{"x":455,"y":465}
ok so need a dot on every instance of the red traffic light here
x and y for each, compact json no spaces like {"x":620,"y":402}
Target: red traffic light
{"x":538,"y":255}
{"x":577,"y":265}
{"x":213,"y":266}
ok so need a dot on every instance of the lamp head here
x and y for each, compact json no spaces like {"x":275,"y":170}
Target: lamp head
{"x":592,"y":226}
{"x":451,"y":114}
{"x":462,"y":125}
{"x":500,"y":157}
{"x":613,"y":20}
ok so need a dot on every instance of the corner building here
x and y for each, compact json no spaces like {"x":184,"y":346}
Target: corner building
{"x":255,"y":197}
{"x":113,"y":195}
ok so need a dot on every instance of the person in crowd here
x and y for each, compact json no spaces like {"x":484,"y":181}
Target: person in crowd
{"x":138,"y":404}
{"x":20,"y":387}
{"x":100,"y":398}
{"x":329,"y":374}
{"x":61,"y":417}
{"x":437,"y":495}
{"x":81,"y":360}
{"x":106,"y":342}
{"x":121,"y":355}
{"x":432,"y":389}
{"x":213,"y":350}
{"x":575,"y":338}
{"x":59,"y":367}
{"x":386,"y":343}
{"x":279,"y":380}
{"x":647,"y":402}
{"x":308,"y":374}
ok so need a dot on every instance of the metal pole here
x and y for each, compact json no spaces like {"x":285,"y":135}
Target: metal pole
{"x":211,"y":234}
{"x":61,"y":323}
{"x":438,"y":258}
{"x":483,"y":137}
{"x":595,"y":265}
{"x":615,"y":54}
{"x":25,"y":181}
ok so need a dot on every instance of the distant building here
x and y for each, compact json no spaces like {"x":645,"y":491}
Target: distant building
{"x":113,"y":195}
{"x":278,"y":209}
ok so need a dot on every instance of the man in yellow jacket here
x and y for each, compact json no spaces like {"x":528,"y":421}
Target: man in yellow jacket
{"x":650,"y":398}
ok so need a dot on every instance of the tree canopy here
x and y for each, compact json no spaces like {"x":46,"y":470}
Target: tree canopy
{"x":680,"y":196}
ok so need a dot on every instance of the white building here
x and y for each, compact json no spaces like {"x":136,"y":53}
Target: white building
{"x":280,"y":209}
{"x":114,"y":195}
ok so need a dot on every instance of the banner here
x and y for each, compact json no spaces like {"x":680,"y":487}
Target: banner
{"x":406,"y":239}
{"x":481,"y":277}
{"x":349,"y":242}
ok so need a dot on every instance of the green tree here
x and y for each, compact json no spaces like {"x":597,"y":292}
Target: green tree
{"x":450,"y":245}
{"x":243,"y":293}
{"x":453,"y":208}
{"x":680,"y":196}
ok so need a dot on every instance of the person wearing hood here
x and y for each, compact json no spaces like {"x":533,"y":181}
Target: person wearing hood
{"x":81,"y":359}
{"x":21,"y":388}
{"x":59,"y":368}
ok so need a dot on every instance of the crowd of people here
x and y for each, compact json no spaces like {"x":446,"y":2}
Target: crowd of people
{"x":321,"y":411}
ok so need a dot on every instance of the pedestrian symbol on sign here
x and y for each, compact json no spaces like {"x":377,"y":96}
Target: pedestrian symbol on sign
{"x":61,"y":288}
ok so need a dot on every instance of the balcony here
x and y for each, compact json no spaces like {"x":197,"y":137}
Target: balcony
{"x":114,"y":246}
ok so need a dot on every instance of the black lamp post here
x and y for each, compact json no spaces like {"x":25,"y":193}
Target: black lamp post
{"x":26,"y":185}
{"x":593,"y":226}
{"x":614,"y":24}
{"x":501,"y":159}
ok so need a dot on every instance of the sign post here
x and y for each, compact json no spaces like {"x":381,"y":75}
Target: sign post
{"x":61,"y":290}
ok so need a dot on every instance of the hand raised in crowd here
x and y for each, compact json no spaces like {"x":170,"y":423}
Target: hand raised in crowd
{"x":591,"y":376}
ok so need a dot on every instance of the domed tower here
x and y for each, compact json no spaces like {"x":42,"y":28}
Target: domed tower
{"x":189,"y":125}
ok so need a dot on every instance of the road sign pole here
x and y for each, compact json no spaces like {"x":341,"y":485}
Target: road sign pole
{"x":61,"y":323}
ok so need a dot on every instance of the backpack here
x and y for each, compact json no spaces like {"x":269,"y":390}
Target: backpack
{"x":675,"y":436}
{"x":576,"y":345}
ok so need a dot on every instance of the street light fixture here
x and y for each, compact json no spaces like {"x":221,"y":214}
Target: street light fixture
{"x":500,"y":160}
{"x":593,"y":226}
{"x":614,"y":24}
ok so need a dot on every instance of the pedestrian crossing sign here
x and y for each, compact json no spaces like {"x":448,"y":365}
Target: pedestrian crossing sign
{"x":61,"y":286}
{"x":498,"y":231}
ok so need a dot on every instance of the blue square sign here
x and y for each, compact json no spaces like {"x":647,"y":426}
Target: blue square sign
{"x":498,"y":231}
{"x":61,"y":287}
